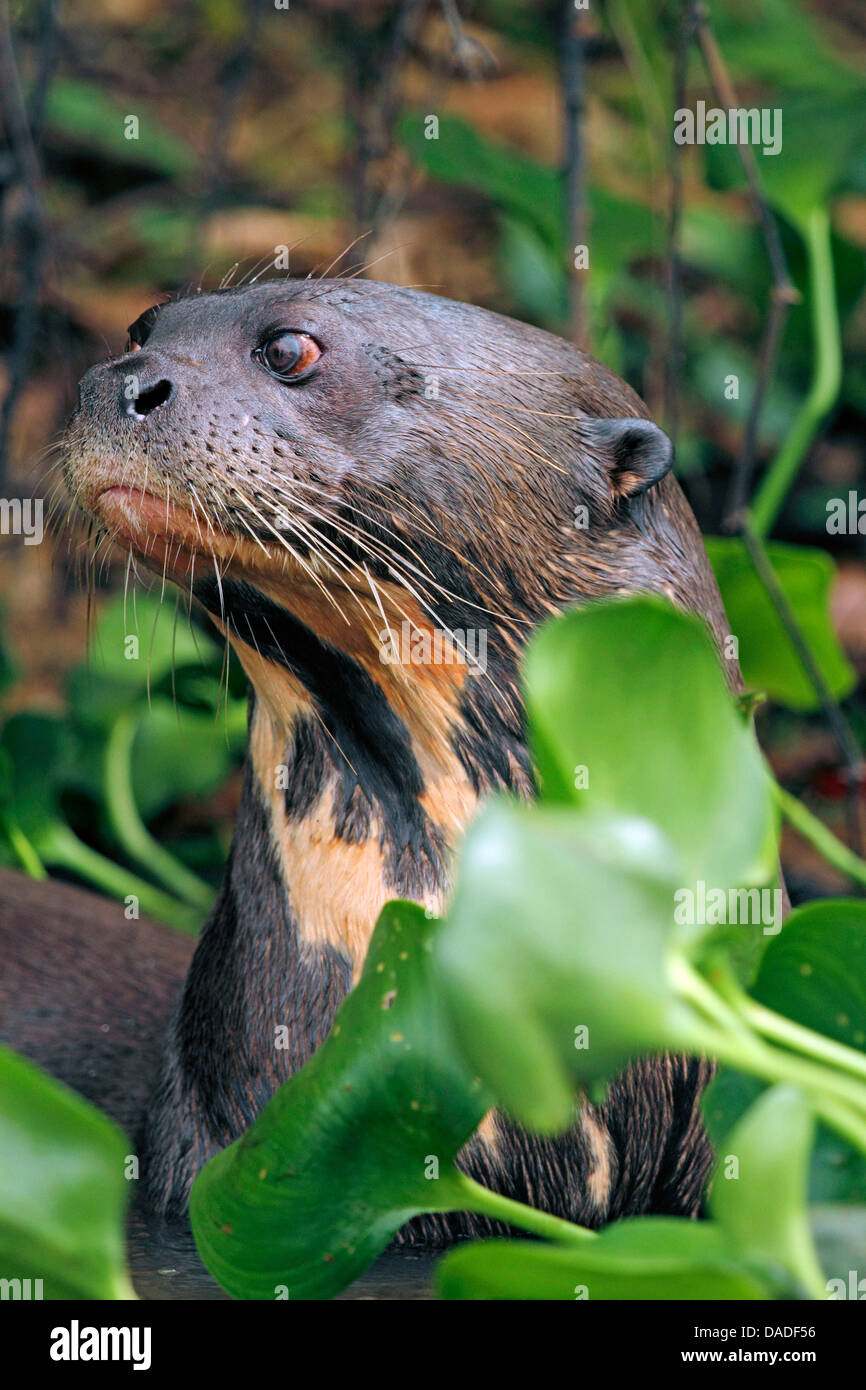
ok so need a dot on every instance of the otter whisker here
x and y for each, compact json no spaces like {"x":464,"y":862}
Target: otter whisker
{"x":337,"y":259}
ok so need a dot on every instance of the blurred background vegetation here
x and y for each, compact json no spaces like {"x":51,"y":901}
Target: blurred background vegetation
{"x":261,"y":127}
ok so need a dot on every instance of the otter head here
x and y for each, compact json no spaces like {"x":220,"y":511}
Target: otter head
{"x":376,"y":494}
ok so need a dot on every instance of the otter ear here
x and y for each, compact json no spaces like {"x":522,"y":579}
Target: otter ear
{"x":636,"y":452}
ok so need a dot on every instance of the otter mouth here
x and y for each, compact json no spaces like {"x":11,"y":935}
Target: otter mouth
{"x":165,"y":535}
{"x":179,"y":543}
{"x":171,"y":538}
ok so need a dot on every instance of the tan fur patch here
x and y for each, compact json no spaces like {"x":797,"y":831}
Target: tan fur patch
{"x":488,"y":1133}
{"x":336,"y":890}
{"x":600,"y":1144}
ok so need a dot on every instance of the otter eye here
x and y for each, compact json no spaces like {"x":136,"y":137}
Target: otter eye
{"x":289,"y":356}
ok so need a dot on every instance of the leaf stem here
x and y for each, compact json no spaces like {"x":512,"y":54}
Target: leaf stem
{"x":840,"y":1100}
{"x":133,"y":834}
{"x":539,"y":1223}
{"x":58,"y":845}
{"x":27,"y":856}
{"x":826,"y":375}
{"x":794,"y":1035}
{"x":817,"y":833}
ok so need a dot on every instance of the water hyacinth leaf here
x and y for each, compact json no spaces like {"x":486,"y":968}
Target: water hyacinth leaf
{"x":623,"y":228}
{"x":349,"y":1148}
{"x":768,"y":659}
{"x":135,"y":648}
{"x":629,"y":713}
{"x":63,"y":1188}
{"x":178,"y":753}
{"x":40,"y":754}
{"x":652,"y":1258}
{"x":553,"y":957}
{"x":83,"y":112}
{"x":814,"y":972}
{"x":760,"y":1185}
{"x":837,"y":1171}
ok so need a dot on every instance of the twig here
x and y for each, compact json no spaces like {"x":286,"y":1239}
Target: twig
{"x":473,"y":60}
{"x":375,"y":96}
{"x":751,"y":527}
{"x":783,"y":293}
{"x":826,"y":376}
{"x":30,"y":229}
{"x":854,"y":766}
{"x":673,"y":268}
{"x":233,"y":77}
{"x":575,"y":195}
{"x":828,"y":845}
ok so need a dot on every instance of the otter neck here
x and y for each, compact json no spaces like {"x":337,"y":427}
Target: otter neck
{"x":346,"y":839}
{"x":359,"y":778}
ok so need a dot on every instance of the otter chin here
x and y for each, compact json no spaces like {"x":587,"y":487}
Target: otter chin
{"x":323,"y":465}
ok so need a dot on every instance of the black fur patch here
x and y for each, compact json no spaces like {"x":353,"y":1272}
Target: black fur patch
{"x":251,"y":973}
{"x":361,"y":742}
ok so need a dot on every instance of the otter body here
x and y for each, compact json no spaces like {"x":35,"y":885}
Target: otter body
{"x":335,"y":471}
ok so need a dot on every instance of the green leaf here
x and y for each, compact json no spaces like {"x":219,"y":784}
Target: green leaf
{"x":651,"y":1258}
{"x":837,"y":1171}
{"x":83,"y":111}
{"x":533,"y":274}
{"x":762,"y":1203}
{"x":632,"y":691}
{"x":341,"y":1156}
{"x":768,"y":659}
{"x":178,"y":754}
{"x":40,"y":753}
{"x":622,"y":228}
{"x":821,"y":137}
{"x":784,"y":43}
{"x":814,"y":971}
{"x":62,"y":1188}
{"x":165,"y":637}
{"x":559,"y":924}
{"x":514,"y":181}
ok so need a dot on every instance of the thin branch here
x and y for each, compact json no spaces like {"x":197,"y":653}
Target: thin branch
{"x":852,"y":757}
{"x":30,"y":231}
{"x":572,"y":57}
{"x":471,"y":58}
{"x":783,"y":293}
{"x":737,"y":518}
{"x":375,"y":98}
{"x":673,"y":267}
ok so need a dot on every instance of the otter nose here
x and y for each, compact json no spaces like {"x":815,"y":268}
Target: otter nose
{"x":145,"y":397}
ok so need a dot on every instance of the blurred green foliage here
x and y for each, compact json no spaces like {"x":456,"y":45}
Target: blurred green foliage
{"x":155,"y":720}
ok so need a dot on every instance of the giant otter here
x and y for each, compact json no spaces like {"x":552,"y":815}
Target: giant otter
{"x":325,"y":465}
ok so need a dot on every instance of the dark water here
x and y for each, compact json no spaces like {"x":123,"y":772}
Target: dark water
{"x":165,"y":1265}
